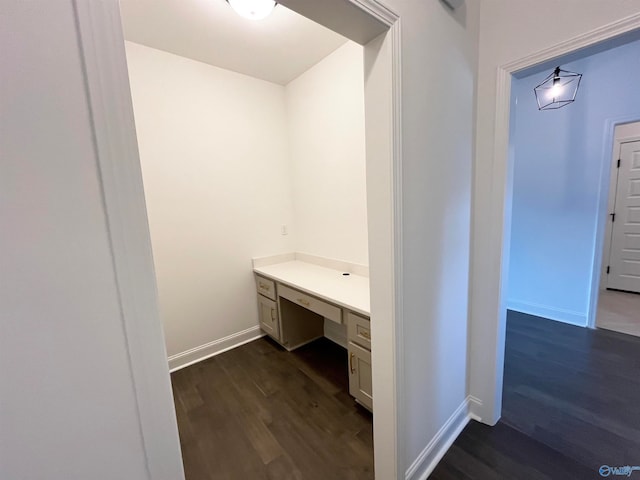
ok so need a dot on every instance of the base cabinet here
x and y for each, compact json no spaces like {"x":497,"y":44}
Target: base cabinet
{"x":360,"y":375}
{"x":294,"y":318}
{"x":359,"y":336}
{"x":268,"y":316}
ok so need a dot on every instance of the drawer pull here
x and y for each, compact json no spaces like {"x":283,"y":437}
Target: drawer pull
{"x":316,"y":305}
{"x":273,"y":314}
{"x":265,"y":287}
{"x":366,"y":334}
{"x":351,"y":357}
{"x":304,"y":302}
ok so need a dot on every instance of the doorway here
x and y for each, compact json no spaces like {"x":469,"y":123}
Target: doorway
{"x":556,"y":204}
{"x":561,"y":166}
{"x":249,"y":136}
{"x":492,"y":243}
{"x":366,"y":22}
{"x":623,"y":268}
{"x":619,"y":296}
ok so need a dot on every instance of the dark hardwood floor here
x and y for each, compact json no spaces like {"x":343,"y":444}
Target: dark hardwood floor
{"x":259,"y":412}
{"x":571,"y":403}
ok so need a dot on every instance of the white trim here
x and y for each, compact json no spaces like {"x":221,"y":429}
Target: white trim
{"x":500,"y":241}
{"x":475,"y":405}
{"x":398,"y":229}
{"x":597,"y":35}
{"x":377,"y":10}
{"x":429,"y":458}
{"x":101,"y":44}
{"x":608,"y":230}
{"x":612,"y":159}
{"x":392,"y":418}
{"x":389,"y":430}
{"x":216,"y":347}
{"x":572,"y":317}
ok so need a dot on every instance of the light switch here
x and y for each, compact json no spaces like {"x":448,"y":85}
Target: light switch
{"x":283,"y":230}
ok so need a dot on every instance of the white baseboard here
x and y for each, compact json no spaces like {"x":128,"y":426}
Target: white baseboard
{"x":197,"y":354}
{"x":335,"y":332}
{"x":428,"y":459}
{"x":552,"y":313}
{"x":475,"y":407}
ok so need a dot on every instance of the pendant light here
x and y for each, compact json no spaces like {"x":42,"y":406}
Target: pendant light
{"x":253,"y":9}
{"x":557,"y":90}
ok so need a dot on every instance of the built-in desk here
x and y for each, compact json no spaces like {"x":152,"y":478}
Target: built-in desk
{"x":295,"y":297}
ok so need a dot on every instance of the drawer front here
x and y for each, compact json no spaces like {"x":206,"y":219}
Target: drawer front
{"x":359,"y":330}
{"x":266,"y":287}
{"x":268,"y":315}
{"x":316,"y":305}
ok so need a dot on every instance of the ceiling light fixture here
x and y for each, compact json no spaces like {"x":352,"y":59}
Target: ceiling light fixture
{"x":558,"y":89}
{"x":253,"y":9}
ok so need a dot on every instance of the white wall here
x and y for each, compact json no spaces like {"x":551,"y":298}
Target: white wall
{"x":325,"y":116}
{"x":561,"y":171}
{"x":68,"y":410}
{"x":227,"y":161}
{"x":215,"y":161}
{"x":436,"y":68}
{"x":437,"y":116}
{"x":509,"y":31}
{"x":439,"y":61}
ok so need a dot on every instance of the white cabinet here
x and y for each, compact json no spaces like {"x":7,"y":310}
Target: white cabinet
{"x":266,"y":287}
{"x":293,"y":316}
{"x":268,"y":316}
{"x":359,"y":330}
{"x":359,"y":336}
{"x":360,"y":375}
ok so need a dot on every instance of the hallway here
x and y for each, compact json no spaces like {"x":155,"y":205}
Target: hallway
{"x":571,"y":404}
{"x":619,"y":311}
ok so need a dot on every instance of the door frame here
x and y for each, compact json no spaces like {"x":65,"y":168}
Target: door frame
{"x":101,"y":45}
{"x":487,"y":350}
{"x":614,"y":144}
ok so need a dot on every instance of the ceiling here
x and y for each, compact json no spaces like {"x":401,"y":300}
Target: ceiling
{"x":277,"y":49}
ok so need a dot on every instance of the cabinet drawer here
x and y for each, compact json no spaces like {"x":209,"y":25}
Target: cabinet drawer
{"x":266,"y":287}
{"x":359,"y":330}
{"x":316,"y":305}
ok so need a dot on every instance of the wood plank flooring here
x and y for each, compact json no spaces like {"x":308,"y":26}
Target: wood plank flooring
{"x":619,"y":311}
{"x":571,"y":403}
{"x":260,"y":412}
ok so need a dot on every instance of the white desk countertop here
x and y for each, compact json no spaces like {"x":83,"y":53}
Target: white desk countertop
{"x":348,"y":291}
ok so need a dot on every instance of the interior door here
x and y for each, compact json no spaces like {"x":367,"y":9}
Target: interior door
{"x":624,"y":256}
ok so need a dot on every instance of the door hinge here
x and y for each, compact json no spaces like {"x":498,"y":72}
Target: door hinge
{"x":618,"y":163}
{"x":613,"y":216}
{"x":608,"y":269}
